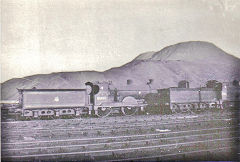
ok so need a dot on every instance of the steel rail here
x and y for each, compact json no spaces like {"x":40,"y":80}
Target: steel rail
{"x":167,"y":155}
{"x":122,"y":142}
{"x":116,"y":150}
{"x":115,"y":137}
{"x":126,"y":117}
{"x":131,"y":125}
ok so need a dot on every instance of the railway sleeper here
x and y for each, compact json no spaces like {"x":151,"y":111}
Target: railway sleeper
{"x":175,"y":141}
{"x":94,"y":133}
{"x":134,"y":151}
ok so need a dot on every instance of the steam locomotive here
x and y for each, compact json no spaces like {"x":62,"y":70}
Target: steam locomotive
{"x":185,"y":99}
{"x":100,"y":100}
{"x":95,"y":99}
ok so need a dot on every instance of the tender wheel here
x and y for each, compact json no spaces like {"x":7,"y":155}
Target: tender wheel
{"x":190,"y":108}
{"x":104,"y":111}
{"x":128,"y":111}
{"x":224,"y":105}
{"x":175,"y":108}
{"x":28,"y":118}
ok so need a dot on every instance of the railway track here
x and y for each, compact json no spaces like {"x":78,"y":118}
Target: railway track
{"x":118,"y":121}
{"x":123,"y":119}
{"x":149,"y":138}
{"x":186,"y":155}
{"x":111,"y":129}
{"x":123,"y":147}
{"x":102,"y":140}
{"x":88,"y":125}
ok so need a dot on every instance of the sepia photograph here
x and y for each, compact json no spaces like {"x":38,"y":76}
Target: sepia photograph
{"x":120,"y":80}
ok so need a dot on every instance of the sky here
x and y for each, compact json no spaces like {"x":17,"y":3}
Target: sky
{"x":42,"y":36}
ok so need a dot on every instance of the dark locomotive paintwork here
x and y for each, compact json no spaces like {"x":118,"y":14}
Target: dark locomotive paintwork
{"x":101,"y":100}
{"x":138,"y":94}
{"x":107,"y":101}
{"x":231,"y":94}
{"x":53,"y":102}
{"x":179,"y":99}
{"x":178,"y":95}
{"x":183,"y":98}
{"x":95,"y":99}
{"x":49,"y":98}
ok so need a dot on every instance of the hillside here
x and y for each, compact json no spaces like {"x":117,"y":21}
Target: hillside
{"x":191,"y":51}
{"x":195,"y":61}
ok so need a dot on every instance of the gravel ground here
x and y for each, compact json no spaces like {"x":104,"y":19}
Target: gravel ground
{"x":209,"y":135}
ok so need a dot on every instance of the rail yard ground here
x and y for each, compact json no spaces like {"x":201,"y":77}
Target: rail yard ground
{"x":210,"y":135}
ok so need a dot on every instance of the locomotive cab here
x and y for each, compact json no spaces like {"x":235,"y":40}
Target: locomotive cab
{"x":231,"y":94}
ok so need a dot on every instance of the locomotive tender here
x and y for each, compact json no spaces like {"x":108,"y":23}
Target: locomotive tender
{"x":53,"y":102}
{"x":188,"y":99}
{"x":100,"y":100}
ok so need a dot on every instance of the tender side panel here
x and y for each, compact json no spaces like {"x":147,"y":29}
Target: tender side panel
{"x":184,"y":96}
{"x":209,"y":96}
{"x":53,"y":99}
{"x":193,"y":95}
